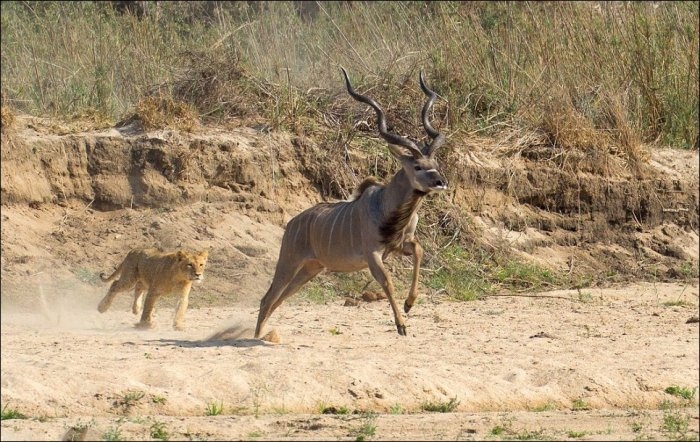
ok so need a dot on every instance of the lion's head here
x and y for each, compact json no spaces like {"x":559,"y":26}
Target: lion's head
{"x":192,"y":265}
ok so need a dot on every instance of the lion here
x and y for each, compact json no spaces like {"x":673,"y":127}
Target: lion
{"x":154,"y":273}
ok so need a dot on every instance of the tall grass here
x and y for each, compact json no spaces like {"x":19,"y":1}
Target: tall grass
{"x":624,"y":70}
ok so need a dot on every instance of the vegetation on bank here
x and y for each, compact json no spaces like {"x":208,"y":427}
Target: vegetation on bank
{"x":575,"y":72}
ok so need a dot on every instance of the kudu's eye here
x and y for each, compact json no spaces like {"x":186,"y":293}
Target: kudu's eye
{"x":417,"y":167}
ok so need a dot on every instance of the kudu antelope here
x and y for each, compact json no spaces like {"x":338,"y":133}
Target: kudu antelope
{"x":348,"y":236}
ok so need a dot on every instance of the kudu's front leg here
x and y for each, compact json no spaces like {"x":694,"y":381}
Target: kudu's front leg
{"x":412,"y":247}
{"x":376,"y":267}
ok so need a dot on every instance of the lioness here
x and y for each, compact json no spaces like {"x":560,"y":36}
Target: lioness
{"x":155,"y":273}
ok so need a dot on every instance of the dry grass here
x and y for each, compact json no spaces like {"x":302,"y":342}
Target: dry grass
{"x":625,"y":73}
{"x":159,"y":112}
{"x":7,"y":120}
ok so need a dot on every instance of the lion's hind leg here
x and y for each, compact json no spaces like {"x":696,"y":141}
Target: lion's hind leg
{"x":120,"y":285}
{"x":148,"y":306}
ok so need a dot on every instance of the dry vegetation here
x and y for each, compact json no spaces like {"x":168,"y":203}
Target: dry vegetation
{"x":609,"y":74}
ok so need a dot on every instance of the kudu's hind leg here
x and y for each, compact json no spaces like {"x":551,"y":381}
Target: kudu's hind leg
{"x":279,"y":282}
{"x":376,"y":267}
{"x":283,"y":286}
{"x":412,"y":247}
{"x":304,"y":275}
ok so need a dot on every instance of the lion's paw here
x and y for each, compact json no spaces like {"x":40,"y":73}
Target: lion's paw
{"x":144,"y":325}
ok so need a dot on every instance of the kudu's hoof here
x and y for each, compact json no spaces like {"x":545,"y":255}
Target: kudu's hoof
{"x":401,"y":329}
{"x":406,"y":307}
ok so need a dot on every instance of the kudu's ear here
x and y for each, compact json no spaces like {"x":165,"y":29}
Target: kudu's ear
{"x":402,"y":154}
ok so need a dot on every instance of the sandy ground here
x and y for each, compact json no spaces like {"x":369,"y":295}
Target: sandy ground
{"x":579,"y":365}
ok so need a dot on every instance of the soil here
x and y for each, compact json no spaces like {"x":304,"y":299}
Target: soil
{"x":594,"y":363}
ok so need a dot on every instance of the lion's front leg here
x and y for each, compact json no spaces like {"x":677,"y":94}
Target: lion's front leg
{"x":179,"y":322}
{"x":139,"y":291}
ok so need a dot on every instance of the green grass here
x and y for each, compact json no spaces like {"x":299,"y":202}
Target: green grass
{"x":666,"y":405}
{"x":367,"y":429}
{"x":497,"y":430}
{"x":130,"y":398}
{"x":466,"y":275}
{"x":548,"y":406}
{"x":677,"y":303}
{"x":159,"y":431}
{"x":325,"y":288}
{"x":460,"y":275}
{"x":112,"y":434}
{"x":11,"y":413}
{"x":585,"y":297}
{"x":441,"y":407}
{"x":516,"y":275}
{"x":315,"y":293}
{"x":676,"y":424}
{"x":396,"y":409}
{"x":324,"y":409}
{"x":214,"y":409}
{"x":690,"y":271}
{"x":529,"y":435}
{"x":259,"y":392}
{"x":637,"y":427}
{"x":580,"y":405}
{"x":681,"y":392}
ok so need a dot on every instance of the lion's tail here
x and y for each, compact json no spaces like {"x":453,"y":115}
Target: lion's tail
{"x":113,"y":275}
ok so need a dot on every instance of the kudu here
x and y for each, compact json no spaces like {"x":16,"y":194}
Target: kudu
{"x":348,"y":236}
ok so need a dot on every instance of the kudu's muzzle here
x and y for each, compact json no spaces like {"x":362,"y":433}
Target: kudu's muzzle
{"x":437,"y":182}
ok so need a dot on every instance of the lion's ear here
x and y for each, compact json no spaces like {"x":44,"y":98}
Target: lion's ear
{"x":204,"y":254}
{"x":181,"y":255}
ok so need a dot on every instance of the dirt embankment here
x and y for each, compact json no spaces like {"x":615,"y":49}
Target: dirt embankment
{"x":188,"y":189}
{"x":592,"y":363}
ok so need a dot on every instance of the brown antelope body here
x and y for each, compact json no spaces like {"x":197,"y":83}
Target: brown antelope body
{"x":348,"y":236}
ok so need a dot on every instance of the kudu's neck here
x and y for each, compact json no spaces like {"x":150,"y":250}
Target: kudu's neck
{"x":399,"y":202}
{"x":399,"y":191}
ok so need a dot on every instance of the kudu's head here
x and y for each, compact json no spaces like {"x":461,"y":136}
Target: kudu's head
{"x":419,"y":163}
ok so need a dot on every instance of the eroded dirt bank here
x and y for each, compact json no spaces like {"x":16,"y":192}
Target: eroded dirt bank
{"x":76,"y":202}
{"x":589,"y":364}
